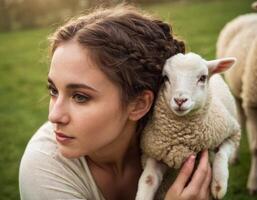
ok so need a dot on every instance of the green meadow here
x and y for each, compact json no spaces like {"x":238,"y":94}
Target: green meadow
{"x":23,"y":74}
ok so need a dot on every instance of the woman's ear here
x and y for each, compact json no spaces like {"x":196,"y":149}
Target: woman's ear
{"x":141,"y":105}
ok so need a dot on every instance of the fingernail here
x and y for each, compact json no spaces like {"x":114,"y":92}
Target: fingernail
{"x":191,"y":158}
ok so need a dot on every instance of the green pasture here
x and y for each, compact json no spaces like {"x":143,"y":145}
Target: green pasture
{"x":23,"y":72}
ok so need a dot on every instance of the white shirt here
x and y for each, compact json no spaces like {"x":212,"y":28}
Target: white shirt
{"x":45,"y":174}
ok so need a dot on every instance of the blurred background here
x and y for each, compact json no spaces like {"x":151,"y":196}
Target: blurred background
{"x":24,"y":28}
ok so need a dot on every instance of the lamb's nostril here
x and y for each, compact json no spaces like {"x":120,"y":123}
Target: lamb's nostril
{"x":180,"y":101}
{"x":184,"y":100}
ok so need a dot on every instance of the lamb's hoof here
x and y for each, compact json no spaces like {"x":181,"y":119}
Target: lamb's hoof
{"x":218,"y":191}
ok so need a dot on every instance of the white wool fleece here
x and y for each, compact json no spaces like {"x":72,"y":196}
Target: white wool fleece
{"x":194,"y":111}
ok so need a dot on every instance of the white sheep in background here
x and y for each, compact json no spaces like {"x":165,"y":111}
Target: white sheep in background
{"x":194,"y":111}
{"x":239,"y":39}
{"x":254,"y":5}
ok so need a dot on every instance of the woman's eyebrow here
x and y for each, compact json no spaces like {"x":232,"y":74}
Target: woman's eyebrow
{"x":75,"y":85}
{"x":80,"y":85}
{"x":50,"y":81}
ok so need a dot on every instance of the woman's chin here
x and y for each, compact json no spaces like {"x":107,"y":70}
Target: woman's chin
{"x":68,"y":153}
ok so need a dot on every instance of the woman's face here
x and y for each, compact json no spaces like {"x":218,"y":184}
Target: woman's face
{"x":85,"y":106}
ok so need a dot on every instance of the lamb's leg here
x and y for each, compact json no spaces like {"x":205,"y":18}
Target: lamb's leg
{"x":251,"y":124}
{"x":220,"y":168}
{"x":150,"y":179}
{"x":249,"y":96}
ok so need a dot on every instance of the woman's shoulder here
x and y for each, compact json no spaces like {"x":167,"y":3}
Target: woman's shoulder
{"x":45,"y":174}
{"x":43,"y":141}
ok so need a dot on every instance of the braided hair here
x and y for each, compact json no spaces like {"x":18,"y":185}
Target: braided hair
{"x":128,"y":45}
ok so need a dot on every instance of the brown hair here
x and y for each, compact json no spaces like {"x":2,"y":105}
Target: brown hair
{"x":128,"y":45}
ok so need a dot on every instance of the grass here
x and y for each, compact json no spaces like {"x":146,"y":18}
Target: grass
{"x":22,"y":76}
{"x":24,"y":66}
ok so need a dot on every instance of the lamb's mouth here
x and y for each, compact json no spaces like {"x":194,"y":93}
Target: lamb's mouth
{"x":181,"y":111}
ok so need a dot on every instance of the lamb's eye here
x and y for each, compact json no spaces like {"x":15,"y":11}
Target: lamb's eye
{"x":202,"y":78}
{"x":165,"y":78}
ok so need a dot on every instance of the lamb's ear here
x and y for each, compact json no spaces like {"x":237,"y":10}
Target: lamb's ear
{"x":220,"y":65}
{"x":166,"y":66}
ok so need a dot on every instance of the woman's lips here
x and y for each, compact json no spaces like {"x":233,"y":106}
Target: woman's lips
{"x":62,"y":138}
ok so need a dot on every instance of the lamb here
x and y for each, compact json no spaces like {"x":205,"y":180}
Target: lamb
{"x":239,"y":39}
{"x":194,"y":111}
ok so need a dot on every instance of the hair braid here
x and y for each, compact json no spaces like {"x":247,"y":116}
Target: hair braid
{"x":129,"y":46}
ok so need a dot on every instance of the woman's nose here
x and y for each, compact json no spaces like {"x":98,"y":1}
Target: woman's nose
{"x":58,"y":112}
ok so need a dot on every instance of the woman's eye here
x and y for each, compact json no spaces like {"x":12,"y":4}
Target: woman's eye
{"x":52,"y":91}
{"x":202,"y":78}
{"x":79,"y":98}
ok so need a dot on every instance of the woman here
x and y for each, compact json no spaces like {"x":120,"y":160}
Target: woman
{"x":104,"y":76}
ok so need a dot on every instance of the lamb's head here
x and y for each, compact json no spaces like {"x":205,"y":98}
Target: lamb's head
{"x":186,"y":81}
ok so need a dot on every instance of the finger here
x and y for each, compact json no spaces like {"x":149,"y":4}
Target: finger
{"x":205,"y":190}
{"x":184,"y":175}
{"x":200,"y":173}
{"x":207,"y":180}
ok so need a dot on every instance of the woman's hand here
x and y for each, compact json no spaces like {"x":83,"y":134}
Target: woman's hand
{"x":198,"y":187}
